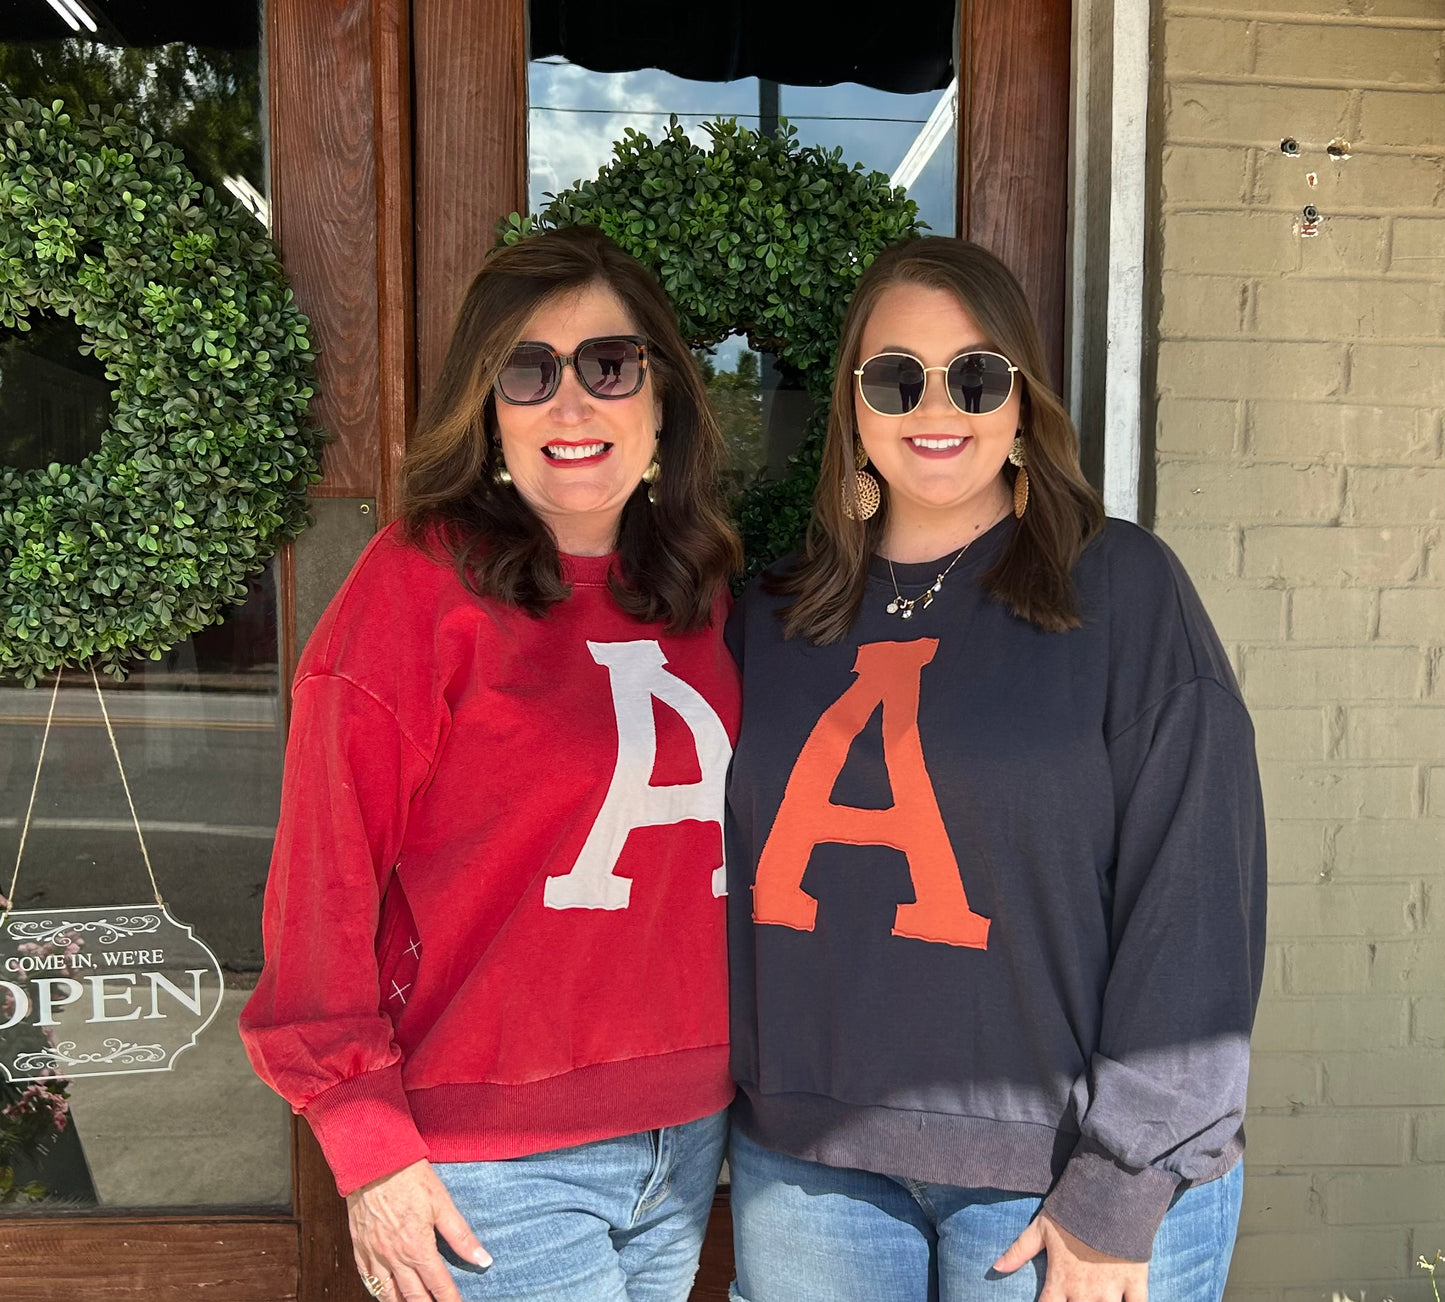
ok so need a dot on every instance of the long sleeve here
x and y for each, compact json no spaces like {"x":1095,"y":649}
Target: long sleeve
{"x":315,"y":1029}
{"x":1162,"y":1099}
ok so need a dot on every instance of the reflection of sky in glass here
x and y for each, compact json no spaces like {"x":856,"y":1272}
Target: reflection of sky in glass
{"x":873,"y":127}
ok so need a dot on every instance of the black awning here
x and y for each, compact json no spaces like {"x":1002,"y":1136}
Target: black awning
{"x":221,"y":24}
{"x":904,"y":48}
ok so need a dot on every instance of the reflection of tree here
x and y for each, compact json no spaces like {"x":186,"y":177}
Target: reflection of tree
{"x":737,"y":402}
{"x":32,"y":1114}
{"x":54,"y":401}
{"x":206,"y":102}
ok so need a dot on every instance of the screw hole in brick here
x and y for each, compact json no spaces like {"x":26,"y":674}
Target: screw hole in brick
{"x":1338,"y":149}
{"x":1289,"y":146}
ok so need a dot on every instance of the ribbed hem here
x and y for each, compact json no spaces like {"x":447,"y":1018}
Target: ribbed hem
{"x":971,"y":1152}
{"x":1113,"y":1208}
{"x":483,"y":1122}
{"x":365,"y":1128}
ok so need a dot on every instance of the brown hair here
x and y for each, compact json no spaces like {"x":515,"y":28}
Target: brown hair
{"x":1034,"y":576}
{"x":676,"y":554}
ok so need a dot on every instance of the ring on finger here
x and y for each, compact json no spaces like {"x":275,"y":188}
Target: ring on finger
{"x":375,"y":1285}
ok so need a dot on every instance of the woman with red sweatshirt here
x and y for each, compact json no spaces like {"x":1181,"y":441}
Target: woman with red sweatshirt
{"x":495,"y":980}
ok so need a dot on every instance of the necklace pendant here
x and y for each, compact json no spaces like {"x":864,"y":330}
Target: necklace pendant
{"x":938,"y":584}
{"x":928,"y":598}
{"x":892,"y":607}
{"x":908,"y":613}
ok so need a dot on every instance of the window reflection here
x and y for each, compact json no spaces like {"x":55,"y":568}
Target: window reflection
{"x":575,"y":114}
{"x":202,"y":96}
{"x":54,"y":400}
{"x":730,"y":373}
{"x":200,"y":730}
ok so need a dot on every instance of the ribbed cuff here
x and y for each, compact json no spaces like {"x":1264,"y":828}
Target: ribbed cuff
{"x":365,"y":1128}
{"x":1111,"y":1207}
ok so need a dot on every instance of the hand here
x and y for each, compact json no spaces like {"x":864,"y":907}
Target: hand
{"x":394,"y":1223}
{"x":1074,"y":1271}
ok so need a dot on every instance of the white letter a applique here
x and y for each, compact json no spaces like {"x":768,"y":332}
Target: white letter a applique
{"x":638,"y":673}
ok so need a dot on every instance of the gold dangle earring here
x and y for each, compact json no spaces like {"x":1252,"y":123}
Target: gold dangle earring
{"x":501,"y":476}
{"x":650,"y":477}
{"x":1019,"y":457}
{"x":863,"y":502}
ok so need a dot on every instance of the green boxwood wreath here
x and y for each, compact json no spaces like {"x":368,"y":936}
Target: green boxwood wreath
{"x":206,"y":465}
{"x":756,"y":235}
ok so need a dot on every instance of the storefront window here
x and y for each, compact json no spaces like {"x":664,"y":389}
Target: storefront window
{"x":576,"y":112}
{"x":200,"y":731}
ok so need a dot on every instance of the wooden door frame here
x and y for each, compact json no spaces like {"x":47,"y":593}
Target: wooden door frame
{"x":398,"y":136}
{"x":338,"y":79}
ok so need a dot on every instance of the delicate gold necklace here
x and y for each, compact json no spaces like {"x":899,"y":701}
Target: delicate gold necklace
{"x":903,"y":606}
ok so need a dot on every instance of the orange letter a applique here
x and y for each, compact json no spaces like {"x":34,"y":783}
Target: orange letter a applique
{"x":887,"y":673}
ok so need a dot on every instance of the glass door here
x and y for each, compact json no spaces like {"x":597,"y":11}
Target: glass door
{"x":201,"y":731}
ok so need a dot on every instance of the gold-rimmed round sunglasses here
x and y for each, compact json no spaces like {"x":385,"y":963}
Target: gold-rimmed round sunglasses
{"x":978,"y":381}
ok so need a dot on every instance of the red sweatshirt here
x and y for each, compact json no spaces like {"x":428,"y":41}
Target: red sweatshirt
{"x":493,"y":923}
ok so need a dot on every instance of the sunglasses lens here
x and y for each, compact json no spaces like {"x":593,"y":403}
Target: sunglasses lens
{"x":530,"y":375}
{"x":980,"y":382}
{"x":610,"y":368}
{"x":892,"y":384}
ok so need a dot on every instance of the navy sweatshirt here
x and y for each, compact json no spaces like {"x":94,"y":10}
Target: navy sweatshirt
{"x":996,"y":894}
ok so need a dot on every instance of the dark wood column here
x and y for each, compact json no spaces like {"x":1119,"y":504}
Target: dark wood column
{"x":1013,"y":139}
{"x":339,"y":85}
{"x":470,"y":63}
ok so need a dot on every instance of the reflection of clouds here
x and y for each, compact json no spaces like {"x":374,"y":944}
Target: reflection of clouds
{"x":726,"y":353}
{"x":567,"y":147}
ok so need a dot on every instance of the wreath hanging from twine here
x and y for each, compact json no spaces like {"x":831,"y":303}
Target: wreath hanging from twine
{"x":204,"y":470}
{"x":755,"y":235}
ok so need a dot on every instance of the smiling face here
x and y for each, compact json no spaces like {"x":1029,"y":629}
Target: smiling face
{"x":943,"y":467}
{"x":576,"y":459}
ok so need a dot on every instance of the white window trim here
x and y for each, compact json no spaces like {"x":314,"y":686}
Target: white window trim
{"x":1108,"y":116}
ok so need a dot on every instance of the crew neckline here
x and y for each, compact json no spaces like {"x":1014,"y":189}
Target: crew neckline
{"x":589,"y":571}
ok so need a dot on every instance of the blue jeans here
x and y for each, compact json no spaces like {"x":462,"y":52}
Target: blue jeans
{"x":804,"y":1232}
{"x":619,"y":1220}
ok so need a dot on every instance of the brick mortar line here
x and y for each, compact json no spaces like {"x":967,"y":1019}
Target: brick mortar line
{"x":1194,"y":77}
{"x":1338,"y":463}
{"x":1264,"y":145}
{"x":1333,"y":461}
{"x":1324,"y":276}
{"x":1315,"y":278}
{"x":1218,"y":145}
{"x":1249,"y":208}
{"x":1288,"y":18}
{"x":1246,"y":337}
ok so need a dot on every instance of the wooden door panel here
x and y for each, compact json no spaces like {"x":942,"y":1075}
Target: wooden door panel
{"x":158,"y":1258}
{"x":380,"y":237}
{"x":324,"y":216}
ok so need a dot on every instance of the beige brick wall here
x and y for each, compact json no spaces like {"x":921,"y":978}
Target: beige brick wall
{"x":1298,"y":436}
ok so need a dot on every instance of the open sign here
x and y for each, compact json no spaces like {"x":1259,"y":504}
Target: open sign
{"x":101,"y":991}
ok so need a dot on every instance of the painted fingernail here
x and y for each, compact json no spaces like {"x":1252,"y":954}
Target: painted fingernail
{"x":482,"y":1257}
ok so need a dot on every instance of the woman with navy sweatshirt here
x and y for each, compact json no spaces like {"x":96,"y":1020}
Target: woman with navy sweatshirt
{"x":495,"y":980}
{"x":996,"y":847}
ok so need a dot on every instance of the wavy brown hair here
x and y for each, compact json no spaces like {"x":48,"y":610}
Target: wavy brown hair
{"x":675,"y":554}
{"x":1034,"y":576}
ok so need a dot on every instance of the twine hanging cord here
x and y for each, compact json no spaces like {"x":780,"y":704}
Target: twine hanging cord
{"x":9,"y":901}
